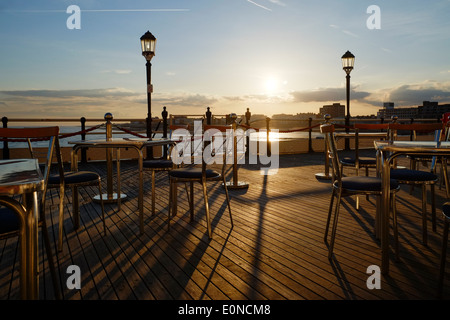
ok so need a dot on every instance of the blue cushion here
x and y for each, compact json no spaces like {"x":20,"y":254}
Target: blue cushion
{"x":412,"y":175}
{"x":192,"y":173}
{"x":360,"y":183}
{"x":362,"y":161}
{"x":8,"y":221}
{"x":74,"y":177}
{"x":150,"y":164}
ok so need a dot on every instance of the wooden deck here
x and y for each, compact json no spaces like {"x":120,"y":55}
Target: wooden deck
{"x":275,"y":251}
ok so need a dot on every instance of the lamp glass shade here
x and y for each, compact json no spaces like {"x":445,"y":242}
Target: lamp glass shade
{"x":348,"y":61}
{"x":148,"y":44}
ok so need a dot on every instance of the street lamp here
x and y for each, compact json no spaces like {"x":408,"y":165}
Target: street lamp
{"x":348,"y":61}
{"x":148,"y":44}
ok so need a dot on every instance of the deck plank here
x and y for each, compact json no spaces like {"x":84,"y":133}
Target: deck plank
{"x":275,"y":250}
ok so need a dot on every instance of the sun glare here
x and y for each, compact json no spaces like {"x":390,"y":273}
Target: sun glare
{"x":271,"y":84}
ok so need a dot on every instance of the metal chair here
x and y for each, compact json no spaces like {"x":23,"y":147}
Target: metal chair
{"x":215,"y":139}
{"x":418,"y":177}
{"x":347,"y":186}
{"x":163,"y":164}
{"x":74,"y":179}
{"x":357,"y":162}
{"x":446,"y":215}
{"x":12,"y":213}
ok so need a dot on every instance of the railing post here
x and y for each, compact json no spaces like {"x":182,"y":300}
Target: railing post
{"x":5,"y":143}
{"x":208,"y":116}
{"x":310,"y":148}
{"x":164,"y":116}
{"x":269,"y":151}
{"x":248,"y":114}
{"x":83,"y":137}
{"x":326,"y":175}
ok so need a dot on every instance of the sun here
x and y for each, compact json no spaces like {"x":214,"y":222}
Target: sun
{"x":271,"y":84}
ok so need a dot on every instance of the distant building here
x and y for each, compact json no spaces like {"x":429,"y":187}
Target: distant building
{"x":429,"y":110}
{"x":336,"y":110}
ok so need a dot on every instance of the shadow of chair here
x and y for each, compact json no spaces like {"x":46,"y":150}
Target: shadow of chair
{"x":446,"y":215}
{"x":347,"y":186}
{"x":12,"y":213}
{"x":215,"y":147}
{"x":414,"y":177}
{"x":163,"y":164}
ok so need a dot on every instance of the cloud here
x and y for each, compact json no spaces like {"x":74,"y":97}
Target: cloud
{"x":328,"y":95}
{"x":407,"y":95}
{"x":86,"y":93}
{"x":259,"y":5}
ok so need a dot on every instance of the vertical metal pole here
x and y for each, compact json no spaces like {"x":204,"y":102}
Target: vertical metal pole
{"x":347,"y":117}
{"x":5,"y":143}
{"x":268,"y":140}
{"x":149,"y":107}
{"x":310,"y":148}
{"x":164,"y":116}
{"x":109,"y":155}
{"x":83,"y":137}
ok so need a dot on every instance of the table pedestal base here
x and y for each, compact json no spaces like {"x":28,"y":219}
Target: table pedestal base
{"x":239,"y":185}
{"x":323,"y":176}
{"x":110,"y":198}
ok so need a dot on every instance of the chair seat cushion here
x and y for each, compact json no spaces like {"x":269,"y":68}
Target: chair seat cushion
{"x":412,"y":175}
{"x":74,"y":177}
{"x":155,"y":164}
{"x":8,"y":221}
{"x":193,"y":173}
{"x":362,"y":161}
{"x":446,"y":209}
{"x":362,"y":183}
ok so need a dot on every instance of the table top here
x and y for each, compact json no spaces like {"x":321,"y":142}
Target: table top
{"x":124,"y":142}
{"x":413,"y":146}
{"x":361,"y":134}
{"x":19,"y":176}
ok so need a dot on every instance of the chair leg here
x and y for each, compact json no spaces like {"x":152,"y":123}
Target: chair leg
{"x":153,"y":192}
{"x":395,"y":225}
{"x":335,"y":221}
{"x":170,"y":204}
{"x":443,"y":258}
{"x":51,"y":263}
{"x":433,"y":207}
{"x":424,"y":214}
{"x":61,"y":217}
{"x":329,"y":215}
{"x":208,"y":220}
{"x":228,"y":200}
{"x":102,"y":206}
{"x":190,"y":196}
{"x":444,"y":167}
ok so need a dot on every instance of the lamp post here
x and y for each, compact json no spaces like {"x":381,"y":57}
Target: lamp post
{"x":148,"y":43}
{"x":348,"y":61}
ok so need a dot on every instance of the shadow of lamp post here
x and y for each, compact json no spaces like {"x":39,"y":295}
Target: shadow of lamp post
{"x":148,"y":43}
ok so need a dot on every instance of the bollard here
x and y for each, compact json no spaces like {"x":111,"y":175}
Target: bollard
{"x":326,"y":175}
{"x":310,"y":148}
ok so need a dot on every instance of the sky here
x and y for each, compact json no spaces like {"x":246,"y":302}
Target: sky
{"x":271,"y":56}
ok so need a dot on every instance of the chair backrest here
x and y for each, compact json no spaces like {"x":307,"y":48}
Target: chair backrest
{"x":332,"y":151}
{"x":216,"y":142}
{"x":39,"y":134}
